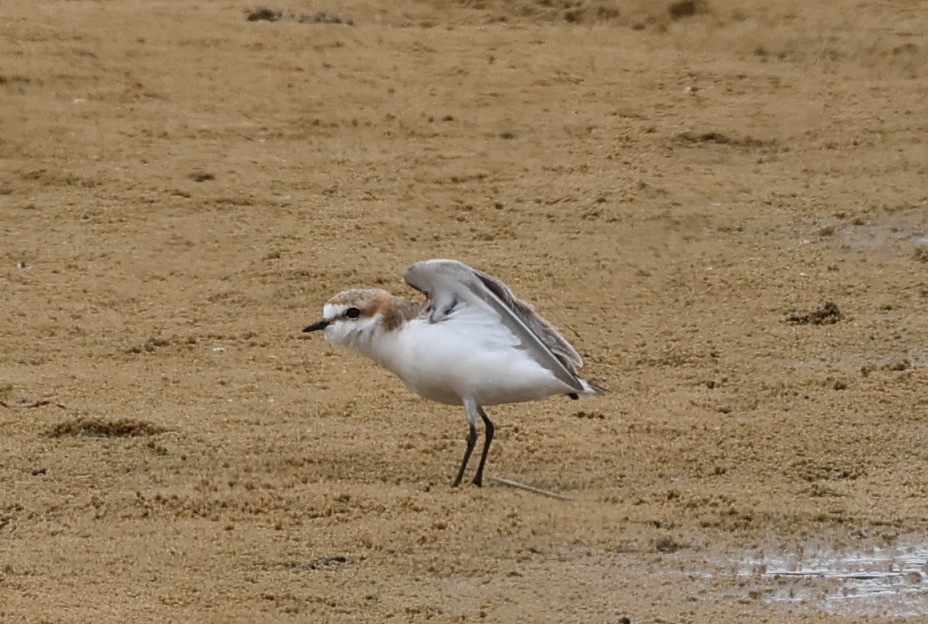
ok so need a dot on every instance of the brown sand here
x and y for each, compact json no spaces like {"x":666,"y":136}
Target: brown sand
{"x":183,"y":188}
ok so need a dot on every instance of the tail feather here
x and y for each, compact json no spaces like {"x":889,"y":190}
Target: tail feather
{"x":588,"y":388}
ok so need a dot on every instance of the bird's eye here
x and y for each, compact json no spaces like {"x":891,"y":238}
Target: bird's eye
{"x":352,"y":313}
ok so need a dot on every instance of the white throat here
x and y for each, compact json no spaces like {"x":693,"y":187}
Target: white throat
{"x":366,"y":336}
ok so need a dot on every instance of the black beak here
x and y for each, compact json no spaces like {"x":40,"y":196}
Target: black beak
{"x":316,"y":326}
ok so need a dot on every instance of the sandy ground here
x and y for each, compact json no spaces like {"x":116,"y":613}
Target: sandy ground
{"x":680,"y":187}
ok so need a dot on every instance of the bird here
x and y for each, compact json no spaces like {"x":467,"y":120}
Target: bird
{"x":472,"y":342}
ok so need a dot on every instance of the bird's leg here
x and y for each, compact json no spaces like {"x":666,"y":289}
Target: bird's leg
{"x":471,"y":441}
{"x":487,"y":437}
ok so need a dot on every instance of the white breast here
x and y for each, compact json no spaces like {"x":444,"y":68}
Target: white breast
{"x":448,"y":362}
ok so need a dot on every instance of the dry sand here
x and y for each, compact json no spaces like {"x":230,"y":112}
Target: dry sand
{"x":182,"y":189}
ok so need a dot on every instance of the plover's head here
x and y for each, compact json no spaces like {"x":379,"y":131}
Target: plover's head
{"x":353,"y":317}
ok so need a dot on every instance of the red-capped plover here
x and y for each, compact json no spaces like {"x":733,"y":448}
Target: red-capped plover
{"x":472,"y":343}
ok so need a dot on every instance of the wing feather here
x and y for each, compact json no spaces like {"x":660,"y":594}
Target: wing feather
{"x":449,"y":283}
{"x":539,"y":325}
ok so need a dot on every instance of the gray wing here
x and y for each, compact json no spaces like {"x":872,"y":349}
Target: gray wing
{"x":447,"y":283}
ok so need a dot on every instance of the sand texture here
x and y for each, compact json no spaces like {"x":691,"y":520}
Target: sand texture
{"x":722,"y":204}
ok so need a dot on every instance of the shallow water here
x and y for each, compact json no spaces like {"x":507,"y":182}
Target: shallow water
{"x":891,"y":581}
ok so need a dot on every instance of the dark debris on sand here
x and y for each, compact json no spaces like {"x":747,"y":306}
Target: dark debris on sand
{"x":828,"y":314}
{"x":99,"y":428}
{"x":265,"y":14}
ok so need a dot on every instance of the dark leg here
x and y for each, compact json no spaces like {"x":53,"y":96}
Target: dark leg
{"x":471,"y":441}
{"x":487,"y":437}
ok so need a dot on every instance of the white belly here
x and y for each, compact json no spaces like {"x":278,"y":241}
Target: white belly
{"x":444,"y":366}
